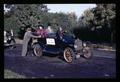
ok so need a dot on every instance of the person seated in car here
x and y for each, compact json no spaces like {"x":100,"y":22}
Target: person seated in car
{"x":60,"y":33}
{"x":49,"y":29}
{"x":41,"y":31}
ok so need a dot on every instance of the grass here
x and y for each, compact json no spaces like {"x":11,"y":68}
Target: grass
{"x":8,"y":74}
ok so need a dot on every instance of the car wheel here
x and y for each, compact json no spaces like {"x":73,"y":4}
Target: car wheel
{"x":87,"y":52}
{"x":37,"y":50}
{"x":68,"y":55}
{"x":12,"y":44}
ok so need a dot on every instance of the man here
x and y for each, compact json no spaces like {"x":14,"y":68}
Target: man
{"x":40,"y":31}
{"x":28,"y":35}
{"x":49,"y":29}
{"x":60,"y":33}
{"x":12,"y":37}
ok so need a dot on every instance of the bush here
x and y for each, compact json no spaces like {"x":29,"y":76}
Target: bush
{"x":102,"y":35}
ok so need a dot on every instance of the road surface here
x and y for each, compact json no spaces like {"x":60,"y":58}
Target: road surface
{"x":101,"y":65}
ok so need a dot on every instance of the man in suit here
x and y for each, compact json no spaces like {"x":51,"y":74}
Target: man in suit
{"x":28,"y":35}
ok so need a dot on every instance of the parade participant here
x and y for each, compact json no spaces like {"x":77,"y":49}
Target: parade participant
{"x":49,"y":29}
{"x":28,"y":35}
{"x":60,"y":32}
{"x":12,"y":37}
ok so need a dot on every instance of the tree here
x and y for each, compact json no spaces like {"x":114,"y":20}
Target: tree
{"x":86,"y":19}
{"x":30,"y":14}
{"x":59,"y":20}
{"x":105,"y":16}
{"x":10,"y":23}
{"x":26,"y":14}
{"x":100,"y":19}
{"x":73,"y":19}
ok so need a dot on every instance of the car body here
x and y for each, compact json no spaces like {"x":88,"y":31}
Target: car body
{"x":55,"y":44}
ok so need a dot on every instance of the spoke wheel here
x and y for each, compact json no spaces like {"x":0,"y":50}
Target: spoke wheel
{"x":37,"y":50}
{"x":87,"y":52}
{"x":68,"y":55}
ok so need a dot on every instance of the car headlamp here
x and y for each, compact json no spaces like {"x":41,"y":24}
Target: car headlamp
{"x":5,"y":41}
{"x":63,"y":39}
{"x":71,"y":45}
{"x":84,"y":44}
{"x":75,"y":46}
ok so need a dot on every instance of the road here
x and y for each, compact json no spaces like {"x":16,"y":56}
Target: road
{"x":101,"y":65}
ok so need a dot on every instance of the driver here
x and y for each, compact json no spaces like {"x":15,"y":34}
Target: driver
{"x":60,"y":33}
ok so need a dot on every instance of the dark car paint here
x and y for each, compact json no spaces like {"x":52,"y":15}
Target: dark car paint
{"x":61,"y":44}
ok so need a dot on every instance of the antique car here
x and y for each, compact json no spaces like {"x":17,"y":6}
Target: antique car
{"x":54,"y":44}
{"x":8,"y":42}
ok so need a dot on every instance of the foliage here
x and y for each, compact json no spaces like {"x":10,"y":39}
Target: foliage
{"x":96,"y":24}
{"x":35,"y":14}
{"x":11,"y":23}
{"x":22,"y":15}
{"x":99,"y":18}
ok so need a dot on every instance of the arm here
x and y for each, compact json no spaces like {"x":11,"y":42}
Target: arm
{"x":33,"y":36}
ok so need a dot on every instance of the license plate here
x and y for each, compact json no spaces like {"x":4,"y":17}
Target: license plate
{"x":50,"y":41}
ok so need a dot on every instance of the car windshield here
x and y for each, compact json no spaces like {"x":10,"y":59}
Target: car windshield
{"x":68,"y":35}
{"x":52,"y":35}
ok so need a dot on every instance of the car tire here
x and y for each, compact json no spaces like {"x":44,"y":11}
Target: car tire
{"x":87,"y":52}
{"x":12,"y":44}
{"x":37,"y":50}
{"x":68,"y":55}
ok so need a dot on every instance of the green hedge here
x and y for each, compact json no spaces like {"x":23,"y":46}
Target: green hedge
{"x":98,"y":35}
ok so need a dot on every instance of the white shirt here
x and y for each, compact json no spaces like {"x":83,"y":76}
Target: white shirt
{"x":50,"y":30}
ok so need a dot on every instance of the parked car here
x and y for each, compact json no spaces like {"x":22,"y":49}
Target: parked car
{"x":9,"y":42}
{"x":53,"y":44}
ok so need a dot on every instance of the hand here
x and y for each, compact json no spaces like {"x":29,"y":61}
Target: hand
{"x":39,"y":36}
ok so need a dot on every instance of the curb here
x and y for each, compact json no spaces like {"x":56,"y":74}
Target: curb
{"x":113,"y":50}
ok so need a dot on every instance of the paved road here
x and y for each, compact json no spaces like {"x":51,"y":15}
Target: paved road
{"x":101,"y":65}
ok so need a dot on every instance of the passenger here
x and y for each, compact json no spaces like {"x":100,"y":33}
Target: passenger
{"x":60,"y":33}
{"x":45,"y":32}
{"x":39,"y":30}
{"x":49,"y":29}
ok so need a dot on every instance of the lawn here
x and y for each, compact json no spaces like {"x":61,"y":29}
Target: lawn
{"x":8,"y":74}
